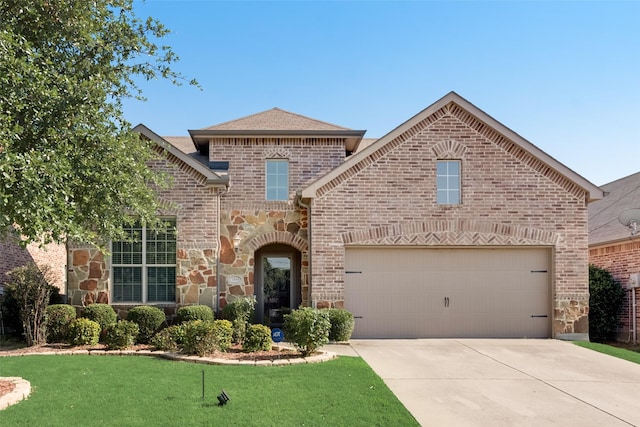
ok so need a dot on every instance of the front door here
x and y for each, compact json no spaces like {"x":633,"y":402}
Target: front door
{"x":277,"y":283}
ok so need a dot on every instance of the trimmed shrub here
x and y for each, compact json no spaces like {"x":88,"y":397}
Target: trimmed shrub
{"x":149,"y":319}
{"x":29,"y":291}
{"x":606,"y":297}
{"x":258,"y":338}
{"x":202,"y":337}
{"x":223,"y":333}
{"x":342,"y":324}
{"x":194,"y":312}
{"x":170,"y":339}
{"x":104,"y":314}
{"x":59,"y":318}
{"x":239,"y":312}
{"x":83,"y":331}
{"x":307,"y":328}
{"x":121,"y":335}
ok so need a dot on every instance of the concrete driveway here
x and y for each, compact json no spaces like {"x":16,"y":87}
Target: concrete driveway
{"x":484,"y":382}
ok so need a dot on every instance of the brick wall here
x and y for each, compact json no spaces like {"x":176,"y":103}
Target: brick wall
{"x":508,"y":198}
{"x":621,"y":259}
{"x":309,"y":159}
{"x":53,"y":255}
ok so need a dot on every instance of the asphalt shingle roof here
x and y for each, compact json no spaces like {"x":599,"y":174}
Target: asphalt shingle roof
{"x":275,"y":119}
{"x":604,"y":226}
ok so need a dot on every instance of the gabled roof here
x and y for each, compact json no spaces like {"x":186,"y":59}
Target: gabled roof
{"x":409,"y":127}
{"x":208,"y":176}
{"x":604,"y":226}
{"x":276,"y":123}
{"x":275,"y":119}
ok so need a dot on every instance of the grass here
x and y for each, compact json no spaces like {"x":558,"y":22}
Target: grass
{"x":621,"y":353}
{"x":84,"y":390}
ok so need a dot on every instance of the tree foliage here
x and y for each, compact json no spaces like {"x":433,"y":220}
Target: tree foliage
{"x":606,"y":297}
{"x":69,"y":165}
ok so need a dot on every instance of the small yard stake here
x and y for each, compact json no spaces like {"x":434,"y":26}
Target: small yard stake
{"x":203,"y":383}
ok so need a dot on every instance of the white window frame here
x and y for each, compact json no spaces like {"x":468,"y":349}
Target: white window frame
{"x":144,"y":265}
{"x":278,"y":189}
{"x":445,"y":183}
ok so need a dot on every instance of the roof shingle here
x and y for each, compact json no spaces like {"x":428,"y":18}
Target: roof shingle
{"x":604,"y":226}
{"x":275,"y":119}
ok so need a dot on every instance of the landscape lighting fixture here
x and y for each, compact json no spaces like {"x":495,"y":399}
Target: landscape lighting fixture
{"x":222,"y":398}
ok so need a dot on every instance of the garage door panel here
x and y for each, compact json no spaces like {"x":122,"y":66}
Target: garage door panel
{"x":402,"y":292}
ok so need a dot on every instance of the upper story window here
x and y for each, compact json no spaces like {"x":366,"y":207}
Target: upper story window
{"x":144,"y":268}
{"x":448,"y":182}
{"x":277,"y":179}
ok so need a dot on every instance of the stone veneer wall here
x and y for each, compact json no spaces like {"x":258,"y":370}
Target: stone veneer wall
{"x":258,"y":229}
{"x":621,"y":259}
{"x":508,"y":198}
{"x":260,"y":222}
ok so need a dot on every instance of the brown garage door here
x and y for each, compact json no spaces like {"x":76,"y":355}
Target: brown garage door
{"x":427,"y":293}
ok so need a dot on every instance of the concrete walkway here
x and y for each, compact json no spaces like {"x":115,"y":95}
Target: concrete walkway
{"x":482,"y":382}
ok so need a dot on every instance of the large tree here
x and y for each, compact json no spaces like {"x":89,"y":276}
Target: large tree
{"x":69,"y":165}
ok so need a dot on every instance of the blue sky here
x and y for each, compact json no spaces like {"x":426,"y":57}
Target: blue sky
{"x":564,"y":74}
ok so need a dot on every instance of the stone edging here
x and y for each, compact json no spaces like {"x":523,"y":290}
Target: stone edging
{"x":324,"y":356}
{"x":21,"y":391}
{"x":23,"y":387}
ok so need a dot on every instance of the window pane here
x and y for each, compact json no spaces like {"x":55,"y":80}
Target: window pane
{"x":454,"y":197}
{"x":453,"y":168}
{"x":161,"y":284}
{"x":277,"y":180}
{"x":127,"y":284}
{"x":448,"y":182}
{"x":442,"y":197}
{"x":161,"y":246}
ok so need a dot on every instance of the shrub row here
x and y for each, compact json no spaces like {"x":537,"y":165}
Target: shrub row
{"x":307,"y":328}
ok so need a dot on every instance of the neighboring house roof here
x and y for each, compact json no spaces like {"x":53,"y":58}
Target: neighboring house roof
{"x":417,"y":122}
{"x":207,"y":176}
{"x":276,"y":123}
{"x":604,"y":226}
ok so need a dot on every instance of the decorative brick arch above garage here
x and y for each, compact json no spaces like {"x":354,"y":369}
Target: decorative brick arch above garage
{"x":451,"y":232}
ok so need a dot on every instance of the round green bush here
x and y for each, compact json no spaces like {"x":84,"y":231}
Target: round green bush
{"x":121,"y":335}
{"x":606,"y":297}
{"x":342,"y":324}
{"x":194,"y":312}
{"x":149,"y":319}
{"x":104,"y":314}
{"x":202,"y":337}
{"x":83,"y":331}
{"x":59,"y":318}
{"x":170,"y":339}
{"x":258,"y":337}
{"x":307,"y":328}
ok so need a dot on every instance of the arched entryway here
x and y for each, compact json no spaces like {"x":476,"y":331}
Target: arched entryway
{"x":277,"y":282}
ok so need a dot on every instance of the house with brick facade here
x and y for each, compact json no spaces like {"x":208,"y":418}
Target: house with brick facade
{"x":451,"y":225}
{"x":616,"y":248}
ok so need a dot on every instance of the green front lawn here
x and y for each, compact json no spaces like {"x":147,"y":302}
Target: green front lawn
{"x":133,"y":390}
{"x":618,"y":352}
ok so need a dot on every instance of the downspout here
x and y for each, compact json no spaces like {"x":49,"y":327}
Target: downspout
{"x":219,"y":193}
{"x":308,"y":208}
{"x":635,"y":313}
